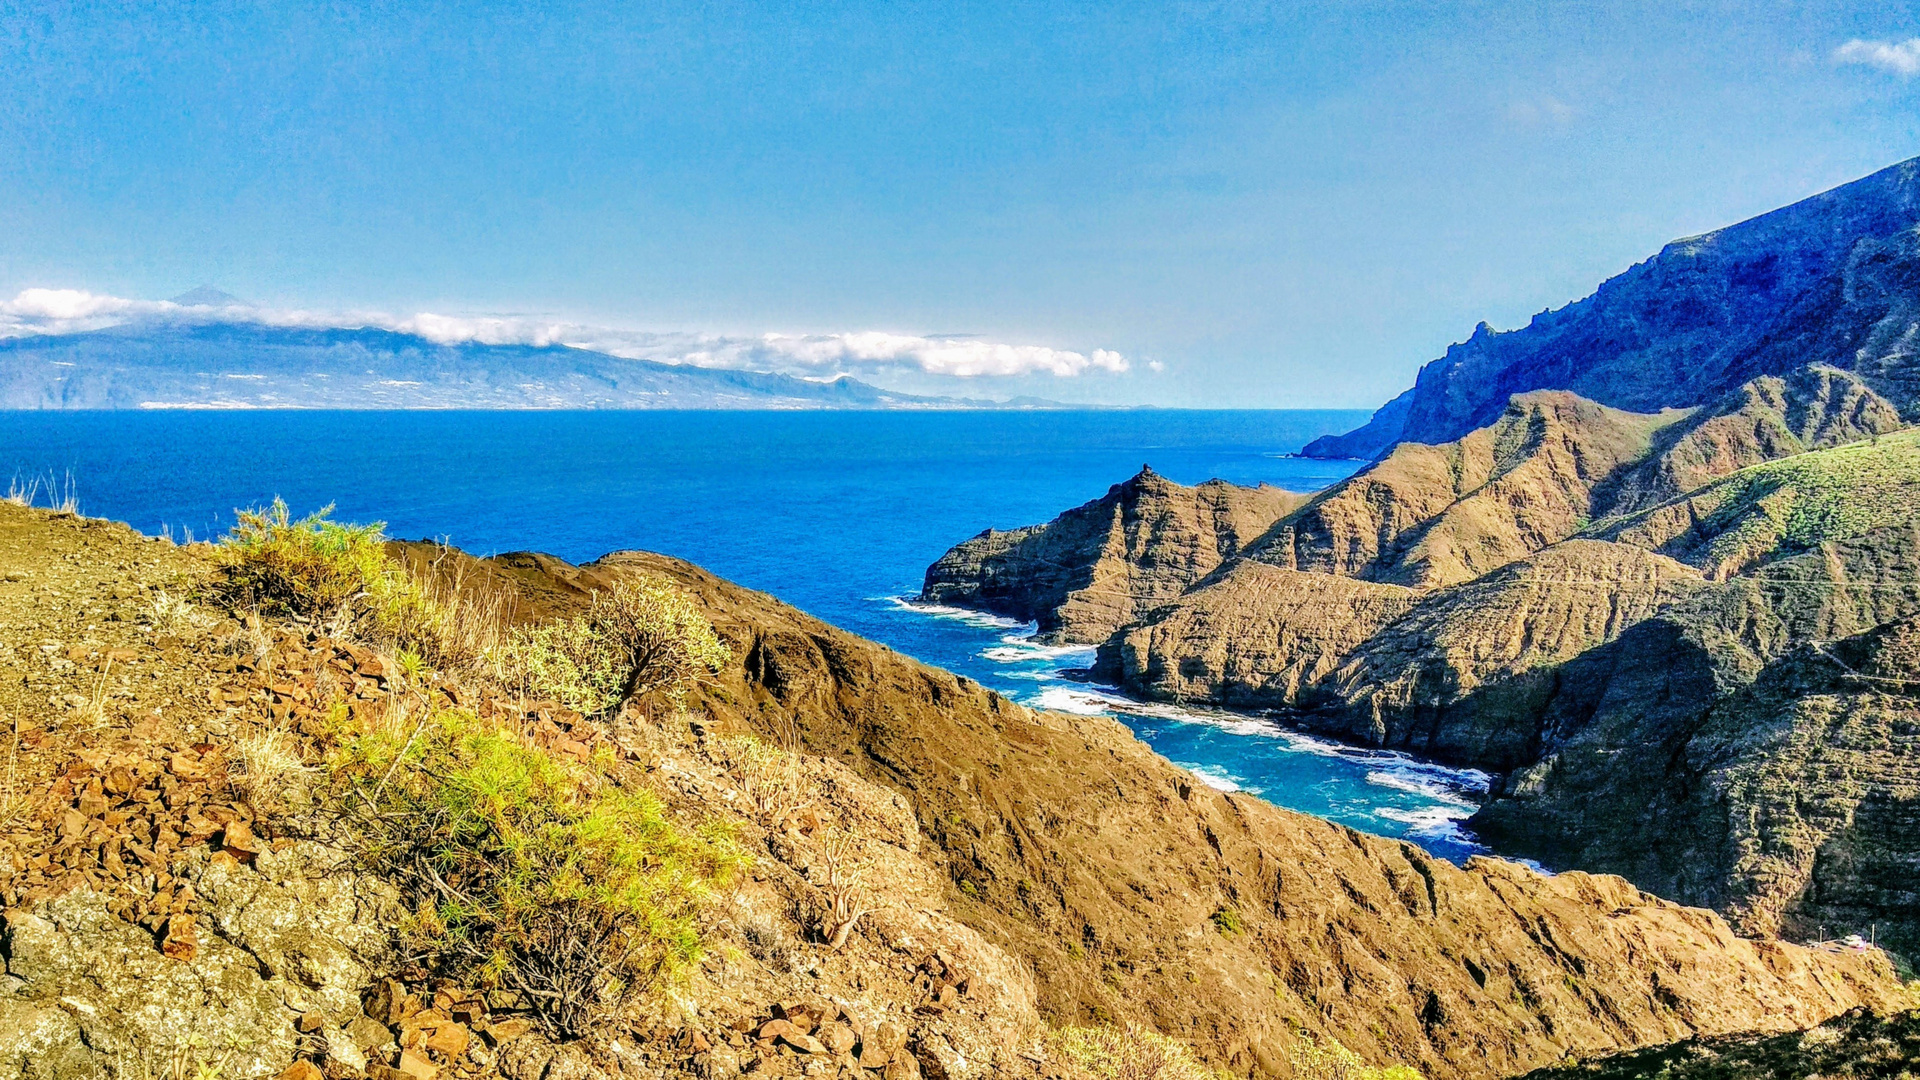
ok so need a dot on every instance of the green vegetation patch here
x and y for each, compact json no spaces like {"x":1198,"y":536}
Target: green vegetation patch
{"x":557,"y":879}
{"x":1327,"y":1059}
{"x":340,"y":573}
{"x":642,"y":635}
{"x":1134,"y":1052}
{"x":1785,"y":506}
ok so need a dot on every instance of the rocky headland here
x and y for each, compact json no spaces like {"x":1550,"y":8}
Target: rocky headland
{"x":1649,"y":560}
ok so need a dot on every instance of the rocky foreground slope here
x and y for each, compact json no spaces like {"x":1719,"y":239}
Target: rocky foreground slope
{"x":171,"y":906}
{"x":1618,"y":613}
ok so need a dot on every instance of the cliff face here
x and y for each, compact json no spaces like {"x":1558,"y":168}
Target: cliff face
{"x":1065,"y":842}
{"x":1829,"y":279}
{"x":1726,"y":753}
{"x":1463,"y":675}
{"x":1100,"y":566}
{"x":1256,"y":636}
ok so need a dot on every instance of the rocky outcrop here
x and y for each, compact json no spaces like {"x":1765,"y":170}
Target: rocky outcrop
{"x":89,"y":995}
{"x":1097,"y":567}
{"x":1070,"y":845}
{"x":1258,"y":636}
{"x":1463,"y":675}
{"x":1657,"y":753}
{"x":1829,"y":280}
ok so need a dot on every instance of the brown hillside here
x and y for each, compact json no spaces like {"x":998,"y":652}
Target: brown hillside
{"x":1107,"y":869}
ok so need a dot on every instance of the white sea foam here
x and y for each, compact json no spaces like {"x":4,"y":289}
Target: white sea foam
{"x":1217,"y":777}
{"x":1014,"y":649}
{"x":1070,"y":699}
{"x":982,"y":619}
{"x":1432,"y":822}
{"x":1443,"y":787}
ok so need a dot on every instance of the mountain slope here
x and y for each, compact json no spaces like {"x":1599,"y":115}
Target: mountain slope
{"x":1105,"y":868}
{"x":1830,"y":279}
{"x":1436,"y":515}
{"x":245,"y":365}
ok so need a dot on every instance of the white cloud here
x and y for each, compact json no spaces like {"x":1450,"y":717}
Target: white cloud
{"x":1899,"y":57}
{"x":66,"y":311}
{"x":1543,"y":111}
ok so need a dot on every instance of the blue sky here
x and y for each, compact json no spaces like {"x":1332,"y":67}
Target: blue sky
{"x":1284,"y":205}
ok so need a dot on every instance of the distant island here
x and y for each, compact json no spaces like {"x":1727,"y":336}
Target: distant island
{"x":247,"y":365}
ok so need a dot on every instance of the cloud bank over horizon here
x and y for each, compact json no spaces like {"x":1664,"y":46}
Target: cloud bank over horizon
{"x":67,"y":311}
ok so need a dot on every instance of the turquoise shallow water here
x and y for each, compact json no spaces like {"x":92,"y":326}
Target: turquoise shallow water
{"x":838,"y":513}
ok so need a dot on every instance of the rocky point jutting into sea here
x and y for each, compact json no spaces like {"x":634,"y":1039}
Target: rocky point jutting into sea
{"x":1651,"y":560}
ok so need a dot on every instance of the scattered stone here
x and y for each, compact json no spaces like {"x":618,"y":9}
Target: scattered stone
{"x":180,"y":943}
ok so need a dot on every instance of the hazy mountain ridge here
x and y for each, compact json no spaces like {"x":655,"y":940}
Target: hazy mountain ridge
{"x":246,"y":365}
{"x":1830,"y":279}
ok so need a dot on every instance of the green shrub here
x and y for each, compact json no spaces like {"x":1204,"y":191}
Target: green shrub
{"x":1131,"y":1053}
{"x":325,"y":569}
{"x":1326,"y":1059}
{"x":529,"y":873}
{"x":314,"y":566}
{"x":1227,"y":921}
{"x":642,"y":635}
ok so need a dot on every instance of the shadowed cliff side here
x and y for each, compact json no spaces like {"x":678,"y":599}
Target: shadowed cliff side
{"x":1722,"y":752}
{"x":1135,"y":892}
{"x":1830,"y":279}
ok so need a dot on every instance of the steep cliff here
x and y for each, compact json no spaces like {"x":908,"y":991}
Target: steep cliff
{"x":1097,"y":567}
{"x":1255,"y":636}
{"x":1722,"y":753}
{"x":1830,"y":279}
{"x":1463,"y":675}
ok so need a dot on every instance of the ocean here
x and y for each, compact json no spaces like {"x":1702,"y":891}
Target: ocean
{"x":838,"y":513}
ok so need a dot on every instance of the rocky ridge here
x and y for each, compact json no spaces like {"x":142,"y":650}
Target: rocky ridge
{"x":1100,"y":566}
{"x":1829,"y":279}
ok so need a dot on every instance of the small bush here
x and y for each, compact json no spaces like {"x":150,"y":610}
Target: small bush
{"x":1326,"y":1059}
{"x":528,"y":873}
{"x":642,"y":635}
{"x":314,"y":566}
{"x":1131,"y":1053}
{"x":1227,"y":921}
{"x":321,"y":568}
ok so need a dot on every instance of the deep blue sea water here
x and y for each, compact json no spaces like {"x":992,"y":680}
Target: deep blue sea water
{"x":838,"y":513}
